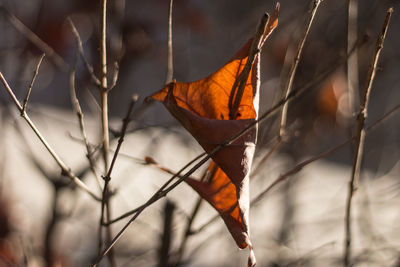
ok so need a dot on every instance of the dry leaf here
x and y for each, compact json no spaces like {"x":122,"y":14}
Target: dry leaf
{"x":204,"y":108}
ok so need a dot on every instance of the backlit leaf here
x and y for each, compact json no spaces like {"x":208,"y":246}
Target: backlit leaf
{"x":204,"y":108}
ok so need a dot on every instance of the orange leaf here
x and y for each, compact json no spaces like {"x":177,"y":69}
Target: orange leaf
{"x":204,"y":108}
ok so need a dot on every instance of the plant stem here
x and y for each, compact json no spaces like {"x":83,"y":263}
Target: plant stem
{"x":292,"y":73}
{"x":105,"y":204}
{"x":360,"y":137}
{"x":170,"y":64}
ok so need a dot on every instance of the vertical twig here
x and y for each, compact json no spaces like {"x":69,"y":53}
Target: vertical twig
{"x":77,"y":109}
{"x":107,"y":177}
{"x":170,"y":66}
{"x":103,"y":85}
{"x":125,"y":123}
{"x":103,"y":90}
{"x":28,"y":93}
{"x":166,"y":238}
{"x":188,"y":230}
{"x":289,"y":84}
{"x":360,"y":137}
{"x":352,"y":61}
{"x":89,"y":68}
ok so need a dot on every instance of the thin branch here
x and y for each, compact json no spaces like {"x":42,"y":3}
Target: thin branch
{"x":125,"y":123}
{"x":65,"y":170}
{"x":360,"y":137}
{"x":89,"y":68}
{"x":103,"y":90}
{"x":188,"y":229}
{"x":352,"y":61}
{"x":77,"y":109}
{"x":35,"y":73}
{"x":39,"y":43}
{"x":166,"y":239}
{"x":103,"y":86}
{"x":107,"y":177}
{"x":292,"y":73}
{"x":170,"y":64}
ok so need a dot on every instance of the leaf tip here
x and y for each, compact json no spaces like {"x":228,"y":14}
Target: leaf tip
{"x":278,"y":5}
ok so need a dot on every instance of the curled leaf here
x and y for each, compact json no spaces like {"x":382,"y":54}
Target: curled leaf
{"x":206,"y":108}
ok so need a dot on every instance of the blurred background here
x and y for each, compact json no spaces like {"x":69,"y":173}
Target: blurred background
{"x":45,"y":221}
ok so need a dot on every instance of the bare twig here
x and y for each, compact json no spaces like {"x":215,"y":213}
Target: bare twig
{"x":360,"y":137}
{"x":107,"y":177}
{"x":65,"y":170}
{"x":39,"y":43}
{"x":352,"y":61}
{"x":125,"y":123}
{"x":188,"y":229}
{"x":103,"y":91}
{"x":167,"y":237}
{"x":89,"y":68}
{"x":170,"y":64}
{"x":28,"y":93}
{"x":292,"y":73}
{"x":77,"y":109}
{"x":103,"y":85}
